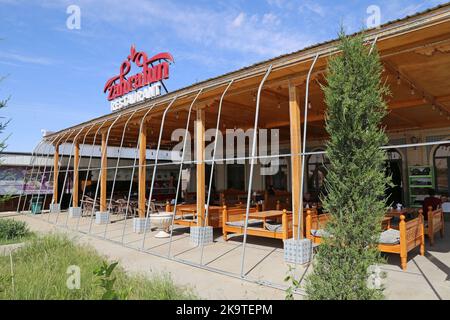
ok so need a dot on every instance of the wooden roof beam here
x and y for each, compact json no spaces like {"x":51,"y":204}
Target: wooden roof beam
{"x":427,"y":96}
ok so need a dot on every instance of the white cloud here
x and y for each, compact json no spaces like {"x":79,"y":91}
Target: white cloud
{"x":271,"y":19}
{"x":237,"y":22}
{"x":227,"y":29}
{"x":281,"y":4}
{"x":312,"y":7}
{"x":17,"y":57}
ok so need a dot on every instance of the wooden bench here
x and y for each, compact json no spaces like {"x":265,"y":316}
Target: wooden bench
{"x":315,"y":224}
{"x":411,"y":235}
{"x":434,"y":224}
{"x":233,"y":221}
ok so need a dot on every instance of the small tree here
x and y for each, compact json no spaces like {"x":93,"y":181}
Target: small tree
{"x":3,"y":124}
{"x":356,"y":182}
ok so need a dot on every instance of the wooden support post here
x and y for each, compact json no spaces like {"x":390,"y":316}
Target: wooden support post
{"x":142,"y":170}
{"x":296,"y":160}
{"x":76,"y":176}
{"x":200,"y":157}
{"x":103,"y":174}
{"x":403,"y":244}
{"x":55,"y":174}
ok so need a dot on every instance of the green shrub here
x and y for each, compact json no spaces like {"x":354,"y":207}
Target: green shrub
{"x":12,"y":229}
{"x":40,"y":272}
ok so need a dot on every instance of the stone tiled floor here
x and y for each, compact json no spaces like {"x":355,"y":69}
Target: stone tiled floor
{"x":427,"y":277}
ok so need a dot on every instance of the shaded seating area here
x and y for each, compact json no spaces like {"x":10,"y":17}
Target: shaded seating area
{"x":186,"y":215}
{"x":409,"y":236}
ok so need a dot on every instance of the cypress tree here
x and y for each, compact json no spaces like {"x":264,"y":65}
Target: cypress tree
{"x":355,"y":184}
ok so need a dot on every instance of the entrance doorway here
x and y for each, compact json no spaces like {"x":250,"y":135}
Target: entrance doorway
{"x":442,"y":165}
{"x":394,"y":168}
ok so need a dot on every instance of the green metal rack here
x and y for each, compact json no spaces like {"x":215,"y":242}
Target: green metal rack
{"x":420,"y":179}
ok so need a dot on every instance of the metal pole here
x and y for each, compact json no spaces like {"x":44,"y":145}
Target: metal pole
{"x":305,"y":126}
{"x":52,"y":172}
{"x":33,"y":176}
{"x":181,"y":168}
{"x":88,"y":171}
{"x":219,"y":113}
{"x":49,"y":146}
{"x":154,"y":170}
{"x":25,"y":176}
{"x":100,"y":172}
{"x":249,"y":194}
{"x":117,"y":166}
{"x":59,"y":168}
{"x":67,"y":172}
{"x":77,"y":165}
{"x":373,"y":45}
{"x":132,"y":172}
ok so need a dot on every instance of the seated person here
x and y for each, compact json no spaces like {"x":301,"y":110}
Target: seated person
{"x":307,"y":200}
{"x":430,"y":201}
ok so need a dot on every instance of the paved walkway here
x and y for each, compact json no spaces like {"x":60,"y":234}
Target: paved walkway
{"x":427,"y":277}
{"x":206,"y":284}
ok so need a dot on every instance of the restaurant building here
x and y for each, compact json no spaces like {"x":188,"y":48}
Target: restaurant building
{"x":255,"y":138}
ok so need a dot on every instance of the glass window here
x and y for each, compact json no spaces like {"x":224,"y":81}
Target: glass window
{"x":441,"y":165}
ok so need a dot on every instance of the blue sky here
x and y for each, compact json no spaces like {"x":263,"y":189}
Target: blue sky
{"x":55,"y":76}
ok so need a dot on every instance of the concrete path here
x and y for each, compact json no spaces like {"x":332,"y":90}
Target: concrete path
{"x":427,"y":277}
{"x":206,"y":284}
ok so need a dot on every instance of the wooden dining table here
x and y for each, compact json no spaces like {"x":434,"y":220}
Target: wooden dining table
{"x":397,"y":213}
{"x":387,"y":221}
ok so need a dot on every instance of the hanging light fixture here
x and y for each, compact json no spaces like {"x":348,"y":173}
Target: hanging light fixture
{"x":413,"y":92}
{"x":399,"y":81}
{"x":433,"y":107}
{"x":309,"y":106}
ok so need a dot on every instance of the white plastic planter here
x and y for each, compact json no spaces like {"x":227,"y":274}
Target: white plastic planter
{"x":139,"y":225}
{"x":55,"y":208}
{"x":201,"y":235}
{"x":74,"y":212}
{"x":101,"y":217}
{"x":297,"y":251}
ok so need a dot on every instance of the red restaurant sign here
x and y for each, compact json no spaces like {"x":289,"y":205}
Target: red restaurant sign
{"x":154,"y":70}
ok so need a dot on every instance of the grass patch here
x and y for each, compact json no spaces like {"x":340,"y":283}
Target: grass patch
{"x":40,"y":272}
{"x":13,"y":231}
